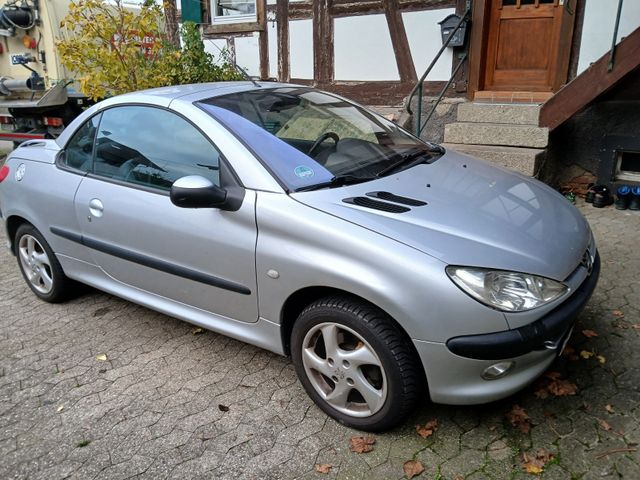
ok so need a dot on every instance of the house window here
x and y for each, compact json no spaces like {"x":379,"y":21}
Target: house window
{"x":234,"y":11}
{"x":628,"y":168}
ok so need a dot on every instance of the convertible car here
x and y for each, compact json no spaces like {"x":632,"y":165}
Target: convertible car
{"x":391,"y":270}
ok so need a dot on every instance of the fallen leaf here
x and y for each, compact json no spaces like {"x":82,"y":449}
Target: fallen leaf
{"x":609,"y":408}
{"x":553,"y":375}
{"x":601,"y":359}
{"x":531,"y":468}
{"x":586,"y":354}
{"x":542,"y":393}
{"x":519,"y":418}
{"x":428,"y":429}
{"x":570,"y":353}
{"x":101,"y":357}
{"x":197,"y":331}
{"x":635,"y":326}
{"x":362,"y":444}
{"x":412,"y":468}
{"x":618,"y":313}
{"x":589,"y":333}
{"x":60,"y":408}
{"x":223,"y":408}
{"x":562,"y":388}
{"x":323,"y":467}
{"x":605,"y":425}
{"x":535,"y":464}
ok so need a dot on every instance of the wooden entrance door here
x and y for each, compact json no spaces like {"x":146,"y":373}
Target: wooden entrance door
{"x":528,"y":45}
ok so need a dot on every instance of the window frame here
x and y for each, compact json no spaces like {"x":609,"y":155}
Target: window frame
{"x":228,"y":177}
{"x":232,"y":19}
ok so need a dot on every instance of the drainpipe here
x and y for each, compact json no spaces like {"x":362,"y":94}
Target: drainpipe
{"x":615,"y":36}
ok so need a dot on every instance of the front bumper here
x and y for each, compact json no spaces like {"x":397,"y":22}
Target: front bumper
{"x":454,"y":369}
{"x":545,"y":333}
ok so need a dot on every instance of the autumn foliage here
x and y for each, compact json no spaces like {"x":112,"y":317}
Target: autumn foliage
{"x":113,"y":49}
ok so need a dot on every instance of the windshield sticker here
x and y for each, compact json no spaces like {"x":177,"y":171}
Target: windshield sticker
{"x":303,"y":171}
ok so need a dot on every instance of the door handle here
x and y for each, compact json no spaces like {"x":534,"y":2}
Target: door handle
{"x":96,"y":208}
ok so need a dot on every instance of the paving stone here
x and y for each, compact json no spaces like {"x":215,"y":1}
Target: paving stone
{"x":152,"y":410}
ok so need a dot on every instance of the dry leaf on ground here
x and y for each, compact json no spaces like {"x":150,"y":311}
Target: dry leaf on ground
{"x":609,"y":408}
{"x":535,"y":463}
{"x":562,"y":388}
{"x":605,"y":425}
{"x":427,"y":430}
{"x":323,"y":467}
{"x":412,"y":468}
{"x":60,"y":408}
{"x":586,"y":354}
{"x":362,"y":444}
{"x":589,"y":333}
{"x":197,"y":331}
{"x":519,"y":418}
{"x":601,"y":359}
{"x":101,"y":357}
{"x":618,"y":313}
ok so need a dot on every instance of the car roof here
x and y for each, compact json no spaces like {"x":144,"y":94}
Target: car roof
{"x":200,"y":91}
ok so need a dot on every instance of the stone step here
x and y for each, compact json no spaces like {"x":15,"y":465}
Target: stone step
{"x":513,"y":114}
{"x":524,"y":160}
{"x":496,"y":134}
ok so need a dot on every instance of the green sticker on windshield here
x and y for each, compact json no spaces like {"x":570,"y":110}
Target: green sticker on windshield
{"x":303,"y":171}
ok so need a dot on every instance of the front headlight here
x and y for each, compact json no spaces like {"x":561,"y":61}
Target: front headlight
{"x":506,"y":291}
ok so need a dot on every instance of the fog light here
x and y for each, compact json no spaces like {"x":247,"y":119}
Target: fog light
{"x":497,"y":370}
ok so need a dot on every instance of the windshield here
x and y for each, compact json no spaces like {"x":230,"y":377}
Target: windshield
{"x":307,"y":137}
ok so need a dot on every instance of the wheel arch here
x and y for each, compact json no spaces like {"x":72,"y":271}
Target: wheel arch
{"x":298,"y":300}
{"x":13,"y":222}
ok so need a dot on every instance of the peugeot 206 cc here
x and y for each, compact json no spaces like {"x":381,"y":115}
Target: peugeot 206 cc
{"x":391,"y":270}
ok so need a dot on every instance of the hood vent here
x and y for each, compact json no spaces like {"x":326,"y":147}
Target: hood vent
{"x":391,"y":197}
{"x":376,"y":205}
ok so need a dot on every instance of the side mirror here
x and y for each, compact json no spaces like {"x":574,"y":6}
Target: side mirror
{"x":195,"y":191}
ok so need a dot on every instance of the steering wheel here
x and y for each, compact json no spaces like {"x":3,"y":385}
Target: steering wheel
{"x":332,"y":135}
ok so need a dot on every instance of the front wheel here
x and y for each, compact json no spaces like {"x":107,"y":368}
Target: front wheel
{"x":355,"y":363}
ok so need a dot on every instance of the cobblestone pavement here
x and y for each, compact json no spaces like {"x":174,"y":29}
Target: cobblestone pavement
{"x":152,"y":409}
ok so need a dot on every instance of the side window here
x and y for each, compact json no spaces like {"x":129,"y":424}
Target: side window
{"x":152,"y":147}
{"x":79,"y":150}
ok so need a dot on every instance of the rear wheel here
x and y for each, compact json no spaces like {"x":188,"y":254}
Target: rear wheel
{"x":355,"y":363}
{"x":40,"y":267}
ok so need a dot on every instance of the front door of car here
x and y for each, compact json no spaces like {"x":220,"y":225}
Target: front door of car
{"x":204,"y":258}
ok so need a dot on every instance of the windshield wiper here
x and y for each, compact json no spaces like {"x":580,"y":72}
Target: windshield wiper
{"x":337,"y":181}
{"x":411,"y":159}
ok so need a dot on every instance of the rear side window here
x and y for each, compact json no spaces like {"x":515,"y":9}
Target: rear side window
{"x":79,"y":151}
{"x":152,"y":147}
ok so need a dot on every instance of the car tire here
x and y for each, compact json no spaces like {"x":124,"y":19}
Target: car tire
{"x":40,"y":267}
{"x":366,"y":373}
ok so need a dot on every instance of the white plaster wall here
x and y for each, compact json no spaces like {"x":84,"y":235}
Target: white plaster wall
{"x":216,"y":47}
{"x":247,"y":54}
{"x":272,"y":37}
{"x":363,"y":49}
{"x":597,"y":30}
{"x":423,"y":33}
{"x":301,"y":48}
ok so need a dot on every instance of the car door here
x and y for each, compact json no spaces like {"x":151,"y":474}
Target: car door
{"x":204,"y":258}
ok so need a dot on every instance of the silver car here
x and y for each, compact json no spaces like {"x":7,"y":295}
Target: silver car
{"x":390,"y":270}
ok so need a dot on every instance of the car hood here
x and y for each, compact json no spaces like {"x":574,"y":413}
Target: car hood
{"x":476,"y":214}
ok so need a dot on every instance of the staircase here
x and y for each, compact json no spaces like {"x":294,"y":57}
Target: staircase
{"x":504,"y":134}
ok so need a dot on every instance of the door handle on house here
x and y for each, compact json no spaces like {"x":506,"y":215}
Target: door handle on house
{"x":96,"y":208}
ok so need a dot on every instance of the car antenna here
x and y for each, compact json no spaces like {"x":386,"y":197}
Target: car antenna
{"x":244,"y":73}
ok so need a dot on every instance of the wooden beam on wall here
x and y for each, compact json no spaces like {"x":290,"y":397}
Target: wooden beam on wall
{"x":406,"y":68}
{"x":263,"y":40}
{"x":323,"y":55}
{"x":282,"y":18}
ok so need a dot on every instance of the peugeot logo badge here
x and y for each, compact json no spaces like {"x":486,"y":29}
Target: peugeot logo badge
{"x":587,"y":262}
